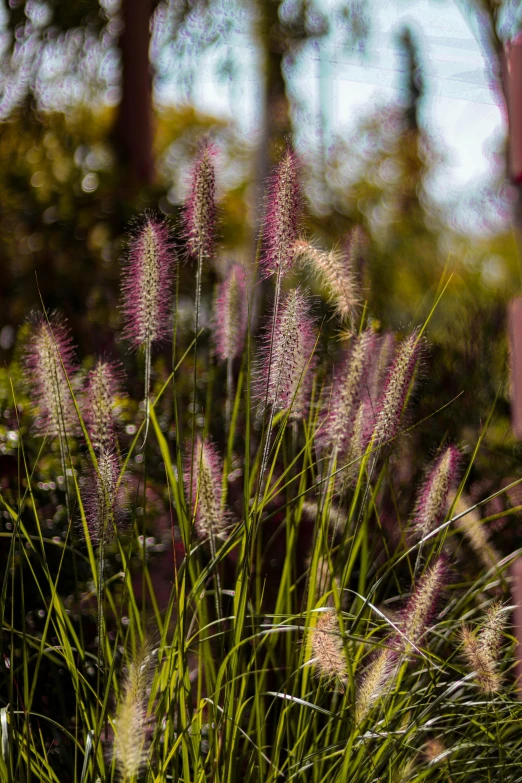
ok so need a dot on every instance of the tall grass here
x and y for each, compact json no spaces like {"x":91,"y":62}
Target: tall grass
{"x":304,"y":634}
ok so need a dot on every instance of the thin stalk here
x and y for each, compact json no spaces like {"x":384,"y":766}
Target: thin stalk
{"x":230,"y":392}
{"x":193,"y":436}
{"x":147,"y":391}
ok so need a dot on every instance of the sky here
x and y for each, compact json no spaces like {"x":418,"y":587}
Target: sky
{"x":461,"y":110}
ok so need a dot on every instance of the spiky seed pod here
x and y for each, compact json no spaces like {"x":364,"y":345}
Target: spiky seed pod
{"x":432,"y":500}
{"x":482,"y":649}
{"x":199,"y":215}
{"x":100,"y":393}
{"x":396,"y":389}
{"x":377,"y":679}
{"x":132,"y":718}
{"x":206,"y":501}
{"x":286,"y":369}
{"x":334,"y":272}
{"x":48,"y":363}
{"x":355,"y":450}
{"x":230,"y":317}
{"x":420,"y":608}
{"x":327,"y":649}
{"x":147,"y":278}
{"x":283,"y":216}
{"x":475,"y":531}
{"x":104,"y":498}
{"x":345,"y":393}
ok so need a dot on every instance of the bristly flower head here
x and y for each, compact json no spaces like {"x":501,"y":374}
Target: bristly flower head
{"x":147,"y":282}
{"x":377,"y":679}
{"x":381,"y":365}
{"x":286,"y":365}
{"x":48,"y":364}
{"x":101,"y":391}
{"x":420,"y":608}
{"x":131,"y":725}
{"x":347,"y":389}
{"x":482,"y":650}
{"x":104,"y":499}
{"x":333,"y":271}
{"x":432,"y":500}
{"x":327,"y":648}
{"x":396,"y":389}
{"x":199,"y":215}
{"x":475,"y":531}
{"x":283,"y":216}
{"x":230,"y":318}
{"x":207,"y":470}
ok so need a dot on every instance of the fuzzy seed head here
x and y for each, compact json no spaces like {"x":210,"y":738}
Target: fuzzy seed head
{"x":327,"y":649}
{"x":131,"y":726}
{"x":48,"y":363}
{"x":381,"y":364}
{"x":396,"y":389}
{"x":476,"y":533}
{"x":199,"y":215}
{"x":283,"y":216}
{"x":335,"y":273}
{"x":104,"y":499}
{"x":101,"y":391}
{"x":230,"y":318}
{"x":287,"y":369}
{"x":432,"y":500}
{"x":482,"y":649}
{"x":147,"y":282}
{"x":420,"y":608}
{"x":210,"y":517}
{"x":375,"y":682}
{"x":353,"y":453}
{"x":346,"y":391}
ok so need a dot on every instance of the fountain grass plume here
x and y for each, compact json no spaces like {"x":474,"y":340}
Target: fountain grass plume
{"x":147,"y":278}
{"x":334,"y":272}
{"x":482,"y":649}
{"x":327,"y":649}
{"x":206,"y":470}
{"x":396,"y":390}
{"x":230,"y":314}
{"x":132,"y":717}
{"x":346,"y":391}
{"x":381,"y":365}
{"x":104,"y":500}
{"x":199,"y":213}
{"x":377,"y":679}
{"x":422,"y":605}
{"x":286,"y":359}
{"x":48,"y":362}
{"x":432,"y":500}
{"x":475,"y":531}
{"x":101,"y":390}
{"x":284,"y":209}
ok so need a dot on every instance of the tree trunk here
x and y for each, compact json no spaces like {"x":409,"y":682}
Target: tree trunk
{"x":133,"y":128}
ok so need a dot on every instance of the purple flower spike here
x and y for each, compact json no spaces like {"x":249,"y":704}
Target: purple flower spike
{"x":104,"y":499}
{"x":432,"y":501}
{"x":230,"y":318}
{"x":101,"y":390}
{"x":283,"y":216}
{"x":147,"y":283}
{"x":396,"y":390}
{"x":199,"y":217}
{"x":48,"y":363}
{"x":286,"y":369}
{"x":206,"y":472}
{"x":347,"y":390}
{"x":422,"y":605}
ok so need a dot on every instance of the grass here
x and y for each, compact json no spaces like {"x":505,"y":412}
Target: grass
{"x":257,"y":664}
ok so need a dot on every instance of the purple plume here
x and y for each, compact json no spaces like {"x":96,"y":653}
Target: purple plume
{"x":48,"y":363}
{"x":100,"y":393}
{"x":199,"y":215}
{"x":147,"y":283}
{"x":283,"y":216}
{"x":205,"y":491}
{"x":287,"y":360}
{"x":432,"y":501}
{"x":421,"y":607}
{"x":104,"y":500}
{"x":230,"y":316}
{"x":396,"y":389}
